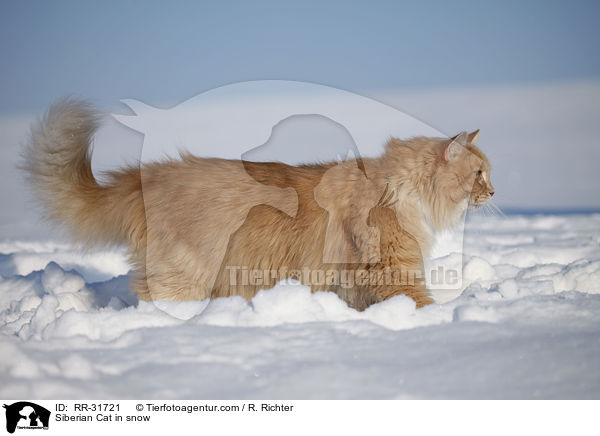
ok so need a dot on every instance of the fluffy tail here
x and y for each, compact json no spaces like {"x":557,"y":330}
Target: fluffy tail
{"x":57,"y":159}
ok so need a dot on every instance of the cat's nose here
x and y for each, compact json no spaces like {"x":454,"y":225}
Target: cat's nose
{"x":492,"y":193}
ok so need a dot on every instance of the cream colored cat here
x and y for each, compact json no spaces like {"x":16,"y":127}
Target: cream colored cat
{"x":198,"y":228}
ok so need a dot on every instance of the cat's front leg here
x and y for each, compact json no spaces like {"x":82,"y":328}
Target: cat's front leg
{"x":391,"y":279}
{"x":401,"y":262}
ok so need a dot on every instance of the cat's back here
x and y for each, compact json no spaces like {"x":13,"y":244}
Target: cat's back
{"x":217,"y":193}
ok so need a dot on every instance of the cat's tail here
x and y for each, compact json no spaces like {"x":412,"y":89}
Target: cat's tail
{"x":57,"y":159}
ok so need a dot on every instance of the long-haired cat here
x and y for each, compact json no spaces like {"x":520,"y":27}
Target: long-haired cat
{"x":197,"y":228}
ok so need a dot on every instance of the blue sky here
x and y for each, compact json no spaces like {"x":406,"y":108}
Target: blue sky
{"x":164,"y":53}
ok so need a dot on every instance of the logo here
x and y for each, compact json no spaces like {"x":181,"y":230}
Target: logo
{"x":26,"y":415}
{"x":256,"y":123}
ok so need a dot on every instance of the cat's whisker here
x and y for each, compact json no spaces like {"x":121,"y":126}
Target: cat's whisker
{"x":485,"y":209}
{"x":477,"y":211}
{"x":497,"y":209}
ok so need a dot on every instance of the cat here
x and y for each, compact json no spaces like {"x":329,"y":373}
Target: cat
{"x":198,"y":228}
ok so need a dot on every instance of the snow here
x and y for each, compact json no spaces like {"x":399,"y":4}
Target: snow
{"x":526,"y":325}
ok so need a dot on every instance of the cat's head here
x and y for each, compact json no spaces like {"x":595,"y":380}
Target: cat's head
{"x":464,"y":172}
{"x":448,"y":175}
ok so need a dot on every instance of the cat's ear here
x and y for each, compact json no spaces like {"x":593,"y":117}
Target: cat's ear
{"x":454,"y":147}
{"x":473,"y":137}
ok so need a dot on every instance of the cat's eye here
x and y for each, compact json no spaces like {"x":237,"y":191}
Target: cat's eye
{"x":478,"y":173}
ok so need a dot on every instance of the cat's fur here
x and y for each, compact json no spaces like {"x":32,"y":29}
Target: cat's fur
{"x":186,"y":222}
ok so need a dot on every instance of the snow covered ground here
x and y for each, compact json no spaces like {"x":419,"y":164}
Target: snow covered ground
{"x":527,"y":325}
